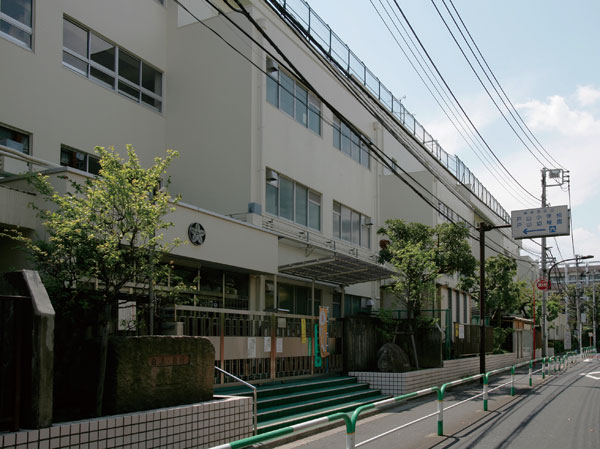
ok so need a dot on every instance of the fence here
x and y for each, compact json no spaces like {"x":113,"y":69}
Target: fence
{"x":548,"y":366}
{"x":323,"y":38}
{"x":251,"y":344}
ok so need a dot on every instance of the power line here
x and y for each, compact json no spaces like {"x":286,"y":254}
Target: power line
{"x":500,"y":86}
{"x":473,"y":145}
{"x":374,"y":150}
{"x":458,"y":103}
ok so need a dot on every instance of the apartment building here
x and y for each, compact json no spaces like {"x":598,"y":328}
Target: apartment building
{"x":283,"y":188}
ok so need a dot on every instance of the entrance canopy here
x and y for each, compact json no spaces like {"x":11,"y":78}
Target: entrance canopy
{"x":338,"y":269}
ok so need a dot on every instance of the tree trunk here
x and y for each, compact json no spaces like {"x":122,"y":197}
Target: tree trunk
{"x":412,"y":336}
{"x":103,"y":356}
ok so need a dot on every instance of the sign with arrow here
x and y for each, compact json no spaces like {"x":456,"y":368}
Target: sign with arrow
{"x":541,"y":222}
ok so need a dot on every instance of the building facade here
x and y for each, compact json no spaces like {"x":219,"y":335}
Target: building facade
{"x":277,"y":165}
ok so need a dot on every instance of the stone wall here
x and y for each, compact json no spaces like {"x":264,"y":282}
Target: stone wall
{"x":159,"y":371}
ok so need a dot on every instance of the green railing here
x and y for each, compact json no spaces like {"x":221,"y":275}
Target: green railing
{"x":551,"y":365}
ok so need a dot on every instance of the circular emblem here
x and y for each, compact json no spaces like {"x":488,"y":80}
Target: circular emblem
{"x":196,"y":233}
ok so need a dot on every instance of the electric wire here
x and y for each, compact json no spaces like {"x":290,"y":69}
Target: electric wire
{"x":435,"y":83}
{"x":458,"y":103}
{"x":490,"y":81}
{"x":373,"y":149}
{"x":500,"y":86}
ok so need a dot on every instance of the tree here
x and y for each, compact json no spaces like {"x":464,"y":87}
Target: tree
{"x":420,"y":254}
{"x":104,"y":234}
{"x":502,"y":291}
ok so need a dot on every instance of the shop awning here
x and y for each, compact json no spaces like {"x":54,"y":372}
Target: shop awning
{"x":338,"y":269}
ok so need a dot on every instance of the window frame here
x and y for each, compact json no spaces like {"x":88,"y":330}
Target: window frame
{"x":87,"y":158}
{"x":312,"y":107}
{"x":362,"y":220}
{"x":277,"y":185}
{"x":20,"y":26}
{"x":339,"y":126}
{"x":29,"y":136}
{"x":114,"y":74}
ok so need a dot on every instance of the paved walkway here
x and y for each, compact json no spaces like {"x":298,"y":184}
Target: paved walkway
{"x":561,"y":412}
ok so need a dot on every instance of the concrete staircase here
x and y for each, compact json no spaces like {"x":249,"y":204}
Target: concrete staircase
{"x":285,"y":403}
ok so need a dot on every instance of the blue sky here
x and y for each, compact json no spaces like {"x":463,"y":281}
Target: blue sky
{"x":545,"y":55}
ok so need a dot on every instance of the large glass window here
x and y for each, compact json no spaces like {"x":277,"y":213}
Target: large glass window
{"x":297,"y":300}
{"x":287,"y":94}
{"x":14,"y":139}
{"x":351,"y":226}
{"x":94,"y":57}
{"x":70,"y":157}
{"x":16,"y":21}
{"x":350,"y":143}
{"x":295,"y":202}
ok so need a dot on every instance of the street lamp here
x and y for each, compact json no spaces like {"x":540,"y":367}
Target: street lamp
{"x":576,"y":259}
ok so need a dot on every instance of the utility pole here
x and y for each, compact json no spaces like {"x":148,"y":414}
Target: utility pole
{"x":483,"y":227}
{"x":594,"y":302}
{"x":544,"y":274}
{"x":577,"y":287}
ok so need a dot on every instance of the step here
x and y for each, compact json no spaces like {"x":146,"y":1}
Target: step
{"x":305,"y":395}
{"x":271,"y":413}
{"x":278,"y":423}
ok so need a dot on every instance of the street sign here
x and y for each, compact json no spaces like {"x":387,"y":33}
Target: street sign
{"x":542,"y":284}
{"x":541,"y":222}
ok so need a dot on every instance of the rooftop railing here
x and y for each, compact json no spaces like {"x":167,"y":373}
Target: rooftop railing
{"x":329,"y":44}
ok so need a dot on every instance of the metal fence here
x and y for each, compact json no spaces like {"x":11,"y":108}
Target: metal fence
{"x":329,"y":44}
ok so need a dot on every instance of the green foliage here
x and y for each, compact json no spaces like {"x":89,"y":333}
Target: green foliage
{"x":500,"y":335}
{"x":420,"y":254}
{"x":105,"y":233}
{"x":503,"y":294}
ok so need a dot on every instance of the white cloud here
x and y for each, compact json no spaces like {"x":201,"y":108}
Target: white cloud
{"x":587,"y":95}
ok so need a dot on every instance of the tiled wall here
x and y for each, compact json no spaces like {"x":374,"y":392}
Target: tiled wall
{"x":396,"y":384}
{"x":200,"y":425}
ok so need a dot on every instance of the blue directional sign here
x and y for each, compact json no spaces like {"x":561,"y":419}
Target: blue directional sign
{"x":542,"y":222}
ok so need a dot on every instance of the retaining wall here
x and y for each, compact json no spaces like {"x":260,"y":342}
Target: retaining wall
{"x":199,"y":425}
{"x":396,"y":384}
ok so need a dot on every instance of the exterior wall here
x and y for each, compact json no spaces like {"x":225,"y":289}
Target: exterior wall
{"x":201,"y":425}
{"x":58,"y":106}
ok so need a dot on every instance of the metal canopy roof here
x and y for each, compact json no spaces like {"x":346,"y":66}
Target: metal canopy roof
{"x":338,"y":269}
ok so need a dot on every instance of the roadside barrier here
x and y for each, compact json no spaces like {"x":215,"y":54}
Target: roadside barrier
{"x":549,"y":365}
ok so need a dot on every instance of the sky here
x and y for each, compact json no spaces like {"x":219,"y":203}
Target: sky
{"x":544,"y":53}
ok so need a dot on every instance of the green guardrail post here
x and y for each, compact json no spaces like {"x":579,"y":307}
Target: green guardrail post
{"x":485,"y":392}
{"x":530,"y":371}
{"x":440,"y":411}
{"x":543,"y":367}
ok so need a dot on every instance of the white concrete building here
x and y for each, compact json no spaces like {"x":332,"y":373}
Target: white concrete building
{"x":289,"y":197}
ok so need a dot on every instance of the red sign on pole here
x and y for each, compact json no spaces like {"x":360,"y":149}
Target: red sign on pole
{"x":542,"y":284}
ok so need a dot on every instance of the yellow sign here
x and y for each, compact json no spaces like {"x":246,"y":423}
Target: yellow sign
{"x":303,"y":327}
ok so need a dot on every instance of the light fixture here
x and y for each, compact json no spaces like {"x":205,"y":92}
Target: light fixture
{"x":368,"y":222}
{"x":271,"y":175}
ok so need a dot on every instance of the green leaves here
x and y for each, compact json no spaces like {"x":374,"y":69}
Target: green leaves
{"x":106,"y":232}
{"x":420,"y":254}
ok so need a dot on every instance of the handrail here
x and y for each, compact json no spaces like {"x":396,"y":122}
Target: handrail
{"x":351,"y":418}
{"x":253,"y":392}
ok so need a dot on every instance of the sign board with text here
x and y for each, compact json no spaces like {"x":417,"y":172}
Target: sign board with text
{"x":540,"y":222}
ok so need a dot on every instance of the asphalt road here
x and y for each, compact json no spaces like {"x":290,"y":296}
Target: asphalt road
{"x":561,"y":412}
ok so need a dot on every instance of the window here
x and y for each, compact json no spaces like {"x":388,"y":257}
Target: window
{"x":79,"y":160}
{"x":287,"y":94}
{"x":111,"y":66}
{"x":297,"y":299}
{"x":14,"y":139}
{"x":350,"y":143}
{"x":351,"y":226}
{"x":295,"y":202}
{"x":16,"y":21}
{"x":352,"y":304}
